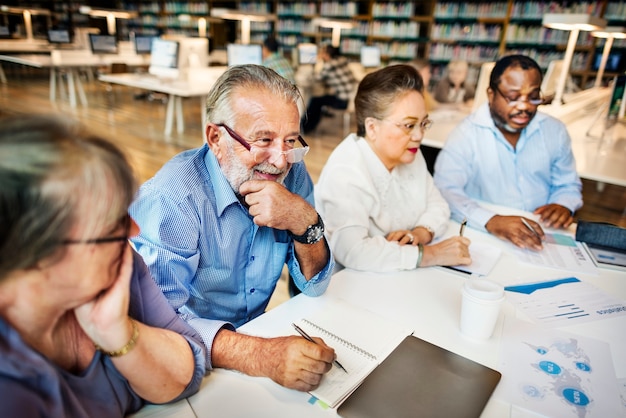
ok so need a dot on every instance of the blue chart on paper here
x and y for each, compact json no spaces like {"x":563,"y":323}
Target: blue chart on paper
{"x":566,"y":369}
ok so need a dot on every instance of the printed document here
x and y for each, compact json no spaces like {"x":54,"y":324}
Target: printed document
{"x":564,"y":302}
{"x":562,"y":252}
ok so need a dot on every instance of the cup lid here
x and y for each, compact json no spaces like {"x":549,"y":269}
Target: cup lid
{"x":484,"y":289}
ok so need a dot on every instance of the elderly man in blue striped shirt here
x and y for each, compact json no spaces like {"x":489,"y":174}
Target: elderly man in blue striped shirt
{"x":219,"y":223}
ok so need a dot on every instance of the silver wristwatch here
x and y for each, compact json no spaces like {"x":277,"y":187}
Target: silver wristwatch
{"x":314,"y":233}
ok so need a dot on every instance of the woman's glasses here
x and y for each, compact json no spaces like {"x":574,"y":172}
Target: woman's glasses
{"x":104,"y":240}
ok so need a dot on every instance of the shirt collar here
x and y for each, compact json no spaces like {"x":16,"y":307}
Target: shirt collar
{"x":482,"y":117}
{"x":224,"y":194}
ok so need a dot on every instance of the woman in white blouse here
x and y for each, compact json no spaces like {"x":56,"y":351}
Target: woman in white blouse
{"x":380,"y":206}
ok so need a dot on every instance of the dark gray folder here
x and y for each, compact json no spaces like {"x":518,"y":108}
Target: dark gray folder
{"x":419,"y":379}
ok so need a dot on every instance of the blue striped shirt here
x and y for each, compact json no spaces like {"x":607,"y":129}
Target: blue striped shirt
{"x":478,"y":163}
{"x":215,"y":266}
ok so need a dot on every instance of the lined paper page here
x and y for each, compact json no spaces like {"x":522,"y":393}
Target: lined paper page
{"x":361,"y":339}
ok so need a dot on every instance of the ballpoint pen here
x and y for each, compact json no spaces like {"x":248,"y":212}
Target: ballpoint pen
{"x":527,"y":225}
{"x":463,"y":226}
{"x":307,"y":337}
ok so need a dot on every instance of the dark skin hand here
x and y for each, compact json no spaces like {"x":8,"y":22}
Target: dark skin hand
{"x":555,"y":216}
{"x":511,"y":228}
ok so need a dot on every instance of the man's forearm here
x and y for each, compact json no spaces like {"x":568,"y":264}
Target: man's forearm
{"x":312,"y":257}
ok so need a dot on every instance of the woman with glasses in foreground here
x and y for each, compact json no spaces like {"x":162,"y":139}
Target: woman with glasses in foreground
{"x":381,"y":208}
{"x":84,"y":330}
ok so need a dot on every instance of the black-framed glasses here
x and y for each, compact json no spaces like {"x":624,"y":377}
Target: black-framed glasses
{"x":411,"y":128}
{"x":104,"y":240}
{"x":534,"y":98}
{"x":262,"y":151}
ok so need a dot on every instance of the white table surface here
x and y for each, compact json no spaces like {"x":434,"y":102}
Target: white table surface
{"x":196,"y":83}
{"x":427,"y":300}
{"x":70,"y":60}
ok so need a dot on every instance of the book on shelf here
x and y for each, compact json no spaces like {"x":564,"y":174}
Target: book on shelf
{"x":361,"y":339}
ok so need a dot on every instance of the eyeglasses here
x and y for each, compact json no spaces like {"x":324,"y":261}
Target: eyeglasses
{"x":535,"y":98}
{"x":410,"y":128}
{"x":261,"y":149}
{"x":105,"y":240}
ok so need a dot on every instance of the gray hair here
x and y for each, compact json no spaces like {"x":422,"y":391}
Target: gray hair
{"x":378,"y":90}
{"x":55,"y":176}
{"x":218,"y":102}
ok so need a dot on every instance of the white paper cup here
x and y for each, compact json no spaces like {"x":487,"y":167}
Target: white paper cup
{"x":480,"y":307}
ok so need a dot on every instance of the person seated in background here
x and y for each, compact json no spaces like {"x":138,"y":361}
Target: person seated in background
{"x":422,"y":66}
{"x":219,"y":223}
{"x":274,"y":60}
{"x":84,"y":330}
{"x":381,"y":207}
{"x":508,"y":154}
{"x":339,"y":83}
{"x":454,"y":88}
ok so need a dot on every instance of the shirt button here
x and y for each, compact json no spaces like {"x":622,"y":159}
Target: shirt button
{"x":252,"y":258}
{"x":252,"y":290}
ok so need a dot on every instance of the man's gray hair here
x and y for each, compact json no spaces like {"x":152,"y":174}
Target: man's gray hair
{"x":244,"y":77}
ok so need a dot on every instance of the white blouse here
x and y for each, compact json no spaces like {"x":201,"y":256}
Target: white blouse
{"x":361,"y":201}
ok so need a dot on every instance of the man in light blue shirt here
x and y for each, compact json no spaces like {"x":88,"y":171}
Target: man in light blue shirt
{"x":218,"y":224}
{"x":505,"y":153}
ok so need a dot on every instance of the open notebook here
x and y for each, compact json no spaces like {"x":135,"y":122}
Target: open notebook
{"x":361,"y":339}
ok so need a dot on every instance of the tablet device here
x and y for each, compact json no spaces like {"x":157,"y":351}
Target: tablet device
{"x":420,"y":379}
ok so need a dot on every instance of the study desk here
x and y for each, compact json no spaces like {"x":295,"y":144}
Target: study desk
{"x":427,"y":300}
{"x":70,"y":61}
{"x":197,"y":83}
{"x":600,"y":157}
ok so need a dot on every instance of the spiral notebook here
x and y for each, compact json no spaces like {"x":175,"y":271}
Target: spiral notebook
{"x":362,"y":340}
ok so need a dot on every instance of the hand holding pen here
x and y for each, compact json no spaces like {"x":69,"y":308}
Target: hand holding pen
{"x":522,"y":232}
{"x":308,"y":338}
{"x":463,"y":225}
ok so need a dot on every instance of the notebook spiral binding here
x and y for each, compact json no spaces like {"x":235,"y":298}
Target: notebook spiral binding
{"x":341,"y":340}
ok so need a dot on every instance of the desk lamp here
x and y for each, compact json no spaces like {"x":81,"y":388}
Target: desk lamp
{"x":609,"y":33}
{"x":573,"y":22}
{"x":244,"y":17}
{"x":335,"y":25}
{"x":202,"y":22}
{"x":109,"y":14}
{"x":27,"y":13}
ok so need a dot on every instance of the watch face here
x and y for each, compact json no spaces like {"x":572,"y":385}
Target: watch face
{"x":315,"y":234}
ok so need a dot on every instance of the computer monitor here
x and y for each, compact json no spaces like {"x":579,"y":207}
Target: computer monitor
{"x":193,"y":53}
{"x":370,"y":56}
{"x":551,"y":78}
{"x":59,"y":36}
{"x":239,"y":54}
{"x":615,"y":62}
{"x":480,"y":96}
{"x":143,"y":44}
{"x":164,"y":58}
{"x":307,"y":54}
{"x":103,"y":44}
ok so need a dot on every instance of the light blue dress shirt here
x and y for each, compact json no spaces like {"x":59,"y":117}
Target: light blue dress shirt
{"x":215,"y":266}
{"x":478,"y":163}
